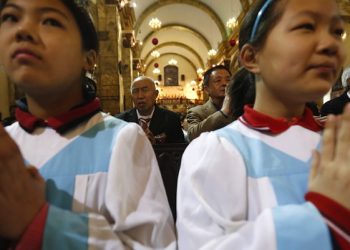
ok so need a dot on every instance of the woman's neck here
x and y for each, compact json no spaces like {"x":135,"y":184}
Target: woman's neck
{"x":278,"y":107}
{"x":49,"y":107}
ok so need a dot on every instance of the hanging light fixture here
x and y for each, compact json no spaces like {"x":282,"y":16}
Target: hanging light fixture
{"x":172,"y":62}
{"x":212,"y":53}
{"x":200,"y":71}
{"x":155,"y":54}
{"x":156,"y":71}
{"x":124,"y":3}
{"x":231,"y":23}
{"x":154,"y":23}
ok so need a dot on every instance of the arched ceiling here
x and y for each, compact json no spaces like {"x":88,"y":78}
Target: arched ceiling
{"x":190,"y":28}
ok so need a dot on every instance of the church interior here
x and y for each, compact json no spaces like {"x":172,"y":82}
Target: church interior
{"x":171,"y":41}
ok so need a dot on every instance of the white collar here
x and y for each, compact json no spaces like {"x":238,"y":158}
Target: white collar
{"x":145,"y":116}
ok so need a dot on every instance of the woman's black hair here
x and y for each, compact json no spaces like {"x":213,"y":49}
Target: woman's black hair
{"x":242,"y":86}
{"x":241,"y":89}
{"x":267,"y":21}
{"x":86,"y":26}
{"x":87,"y":29}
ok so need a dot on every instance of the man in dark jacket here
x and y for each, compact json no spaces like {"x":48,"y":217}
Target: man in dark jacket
{"x":160,"y":125}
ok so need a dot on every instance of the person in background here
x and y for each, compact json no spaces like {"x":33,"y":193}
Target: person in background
{"x":160,"y":125}
{"x":216,"y":112}
{"x":71,"y":176}
{"x":336,"y":105}
{"x":263,"y":182}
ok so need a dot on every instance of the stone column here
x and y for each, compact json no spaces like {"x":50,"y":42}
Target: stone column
{"x":127,"y":69}
{"x":107,"y":74}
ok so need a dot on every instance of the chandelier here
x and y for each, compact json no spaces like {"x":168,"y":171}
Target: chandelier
{"x":155,"y":54}
{"x":212,"y":53}
{"x":131,"y":4}
{"x":200,"y":71}
{"x":231,"y":23}
{"x":156,"y":71}
{"x":172,"y":62}
{"x":154,"y":23}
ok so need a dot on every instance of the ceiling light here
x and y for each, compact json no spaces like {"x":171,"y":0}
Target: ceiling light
{"x":200,"y":71}
{"x":212,"y":53}
{"x":172,"y":62}
{"x":231,"y":23}
{"x":123,"y":3}
{"x":155,"y":54}
{"x":155,"y":23}
{"x":132,"y":5}
{"x":156,"y":71}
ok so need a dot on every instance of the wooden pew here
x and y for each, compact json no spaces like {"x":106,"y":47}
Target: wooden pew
{"x":169,"y":160}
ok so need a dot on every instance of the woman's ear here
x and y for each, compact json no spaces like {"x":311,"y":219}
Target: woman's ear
{"x":90,"y":60}
{"x":248,"y":58}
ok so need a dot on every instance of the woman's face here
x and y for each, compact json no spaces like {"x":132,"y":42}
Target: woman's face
{"x":304,"y":52}
{"x":41,"y":47}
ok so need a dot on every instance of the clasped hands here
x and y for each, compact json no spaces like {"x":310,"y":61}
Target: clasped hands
{"x":330,"y":172}
{"x":22,"y":190}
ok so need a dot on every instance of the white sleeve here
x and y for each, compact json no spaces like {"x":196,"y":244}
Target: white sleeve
{"x":134,"y":214}
{"x":138,"y":200}
{"x":213,"y":206}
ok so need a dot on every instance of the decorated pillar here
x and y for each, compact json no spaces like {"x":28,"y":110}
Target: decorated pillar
{"x":126,"y":67}
{"x":126,"y":70}
{"x":107,"y":73}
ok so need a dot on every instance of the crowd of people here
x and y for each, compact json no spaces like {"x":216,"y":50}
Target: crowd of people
{"x":260,"y":171}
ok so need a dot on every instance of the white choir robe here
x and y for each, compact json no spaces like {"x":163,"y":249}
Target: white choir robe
{"x":241,"y":189}
{"x":103,"y":186}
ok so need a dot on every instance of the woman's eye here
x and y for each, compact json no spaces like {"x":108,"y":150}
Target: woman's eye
{"x":52,"y":22}
{"x":8,"y":18}
{"x":339,"y":32}
{"x":306,"y":26}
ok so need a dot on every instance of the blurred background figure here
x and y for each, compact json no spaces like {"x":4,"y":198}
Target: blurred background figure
{"x":337,"y":104}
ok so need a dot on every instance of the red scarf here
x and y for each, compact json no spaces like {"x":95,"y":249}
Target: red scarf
{"x":265,"y":123}
{"x":60,"y":123}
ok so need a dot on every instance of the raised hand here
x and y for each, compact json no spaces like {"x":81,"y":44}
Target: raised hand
{"x":227,"y":104}
{"x":330,"y":173}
